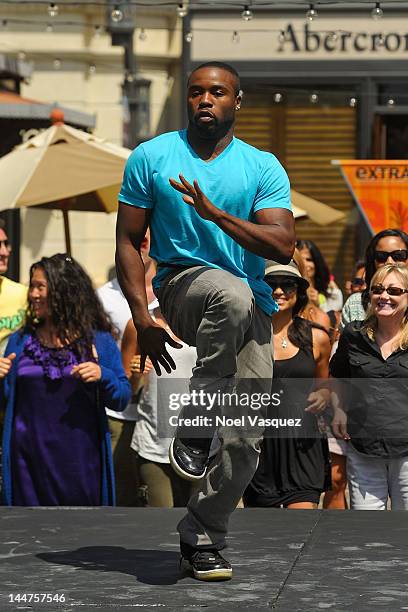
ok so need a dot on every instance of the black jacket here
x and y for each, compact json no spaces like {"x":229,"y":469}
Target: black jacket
{"x":375,"y":393}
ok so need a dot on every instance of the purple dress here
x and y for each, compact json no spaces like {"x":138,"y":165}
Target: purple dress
{"x":56,"y":440}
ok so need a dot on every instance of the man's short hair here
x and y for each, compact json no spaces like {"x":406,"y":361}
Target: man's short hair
{"x":222,"y":66}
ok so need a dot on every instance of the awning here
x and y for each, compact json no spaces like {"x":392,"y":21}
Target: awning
{"x":14,"y":106}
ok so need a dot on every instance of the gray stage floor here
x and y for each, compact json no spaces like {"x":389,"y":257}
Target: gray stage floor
{"x":124,"y":559}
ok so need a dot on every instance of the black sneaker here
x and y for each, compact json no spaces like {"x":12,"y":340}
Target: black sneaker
{"x":189,"y":463}
{"x":207,"y":565}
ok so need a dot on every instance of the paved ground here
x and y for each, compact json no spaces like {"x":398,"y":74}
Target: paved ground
{"x":124,"y":559}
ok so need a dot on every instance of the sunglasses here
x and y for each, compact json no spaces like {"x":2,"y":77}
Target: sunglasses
{"x":394,"y":291}
{"x":399,"y":255}
{"x":5,"y":243}
{"x":287,"y":286}
{"x":358,"y":281}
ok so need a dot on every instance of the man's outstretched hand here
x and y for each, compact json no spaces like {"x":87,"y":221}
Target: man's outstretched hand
{"x":152,"y":342}
{"x":193,"y":196}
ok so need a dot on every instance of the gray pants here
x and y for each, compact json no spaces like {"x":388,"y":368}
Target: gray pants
{"x":216,"y":312}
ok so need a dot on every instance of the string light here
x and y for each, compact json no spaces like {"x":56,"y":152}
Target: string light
{"x":53,"y":10}
{"x":281,"y":37}
{"x":98,"y":30}
{"x":314,"y":98}
{"x":311,"y":13}
{"x":391,"y":102}
{"x":188,"y":37}
{"x":235,"y":37}
{"x":247,"y":14}
{"x":182,"y":11}
{"x":333,"y":36}
{"x":21,"y":56}
{"x":49,"y":27}
{"x":377,"y":12}
{"x":116,"y":14}
{"x":91,"y":69}
{"x":57,"y":63}
{"x":142,"y":35}
{"x":277,"y":98}
{"x":353,"y":102}
{"x":380,"y":40}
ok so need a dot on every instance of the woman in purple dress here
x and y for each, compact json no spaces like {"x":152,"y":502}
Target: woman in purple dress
{"x":57,"y":376}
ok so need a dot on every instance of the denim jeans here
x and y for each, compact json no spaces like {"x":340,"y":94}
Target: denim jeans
{"x":372,"y":479}
{"x":216,"y":312}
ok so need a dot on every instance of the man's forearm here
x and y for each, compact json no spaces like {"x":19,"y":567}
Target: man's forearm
{"x":131,"y":277}
{"x":268,"y":241}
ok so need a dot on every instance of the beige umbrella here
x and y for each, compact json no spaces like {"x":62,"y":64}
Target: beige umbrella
{"x":298,"y":213}
{"x":316,"y":211}
{"x":63,"y":168}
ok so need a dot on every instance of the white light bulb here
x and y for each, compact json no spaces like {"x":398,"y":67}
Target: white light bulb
{"x":333,"y":36}
{"x":98,"y":30}
{"x":91,"y":69}
{"x":142,"y":35}
{"x":235,"y":37}
{"x":57,"y":63}
{"x":281,"y":37}
{"x":314,"y":98}
{"x":353,"y":102}
{"x":49,"y":27}
{"x":311,"y":13}
{"x":188,"y":37}
{"x":182,"y":11}
{"x":277,"y":98}
{"x":390,"y":102}
{"x":116,"y":14}
{"x":247,"y":14}
{"x":21,"y":56}
{"x":53,"y":9}
{"x":380,"y":41}
{"x":377,"y":12}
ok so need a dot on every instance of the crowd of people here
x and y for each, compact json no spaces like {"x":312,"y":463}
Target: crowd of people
{"x":213,"y":299}
{"x":80,"y":418}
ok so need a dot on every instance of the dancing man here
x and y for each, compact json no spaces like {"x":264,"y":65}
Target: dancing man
{"x":216,"y":208}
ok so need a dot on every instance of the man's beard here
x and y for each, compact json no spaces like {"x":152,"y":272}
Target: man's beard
{"x":215,"y":130}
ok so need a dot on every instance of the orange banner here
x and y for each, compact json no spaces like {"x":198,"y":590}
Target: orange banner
{"x":380,"y":189}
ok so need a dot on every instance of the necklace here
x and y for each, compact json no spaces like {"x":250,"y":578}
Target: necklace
{"x":284,"y":342}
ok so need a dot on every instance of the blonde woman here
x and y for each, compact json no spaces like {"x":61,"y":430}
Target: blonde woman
{"x":375,"y":351}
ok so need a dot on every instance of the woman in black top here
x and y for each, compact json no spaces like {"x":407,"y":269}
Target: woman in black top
{"x":372,"y":361}
{"x":293,"y":468}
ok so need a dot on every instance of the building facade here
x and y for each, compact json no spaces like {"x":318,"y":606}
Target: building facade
{"x":75,"y":65}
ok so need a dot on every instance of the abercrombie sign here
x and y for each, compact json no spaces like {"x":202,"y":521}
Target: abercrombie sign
{"x":296,"y":40}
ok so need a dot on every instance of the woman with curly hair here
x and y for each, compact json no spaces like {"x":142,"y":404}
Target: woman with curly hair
{"x":58,"y":374}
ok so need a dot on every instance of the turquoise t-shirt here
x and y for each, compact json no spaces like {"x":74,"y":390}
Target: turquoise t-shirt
{"x":241,"y":181}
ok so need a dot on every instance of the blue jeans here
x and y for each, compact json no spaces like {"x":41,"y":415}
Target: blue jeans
{"x":216,"y":312}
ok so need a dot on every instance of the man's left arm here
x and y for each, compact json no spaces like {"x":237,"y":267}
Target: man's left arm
{"x":272,"y":236}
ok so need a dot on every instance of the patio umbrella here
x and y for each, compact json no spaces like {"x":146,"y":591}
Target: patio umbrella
{"x":316,"y":211}
{"x":63,"y":168}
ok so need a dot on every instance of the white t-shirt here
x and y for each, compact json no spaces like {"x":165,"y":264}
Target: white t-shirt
{"x":152,"y":433}
{"x":115,"y":304}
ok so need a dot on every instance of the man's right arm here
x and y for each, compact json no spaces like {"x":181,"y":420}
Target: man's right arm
{"x":131,"y":226}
